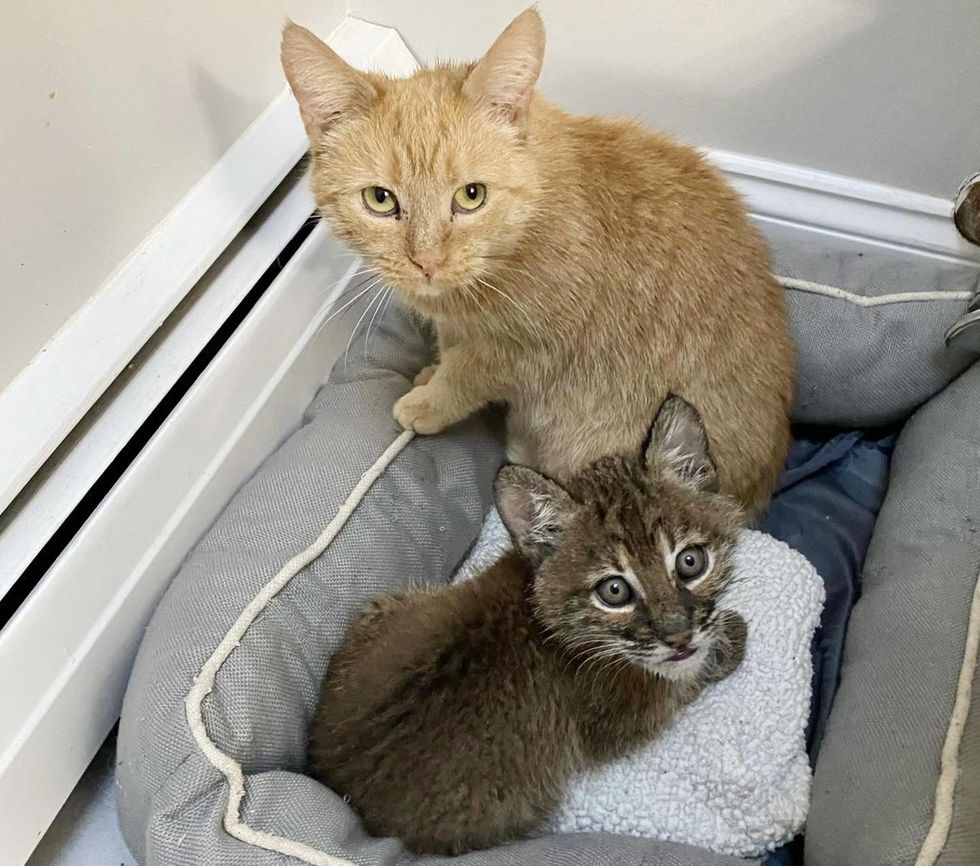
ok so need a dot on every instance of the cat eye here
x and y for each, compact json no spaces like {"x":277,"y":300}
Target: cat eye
{"x":691,"y":562}
{"x":614,"y":592}
{"x":380,"y":201}
{"x":469,"y":198}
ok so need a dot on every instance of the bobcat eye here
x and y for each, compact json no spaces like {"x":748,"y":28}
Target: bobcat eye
{"x":691,"y":562}
{"x":379,"y":200}
{"x":469,"y":198}
{"x":614,"y":592}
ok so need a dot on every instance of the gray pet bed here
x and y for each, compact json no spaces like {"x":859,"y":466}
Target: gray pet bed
{"x":211,"y":765}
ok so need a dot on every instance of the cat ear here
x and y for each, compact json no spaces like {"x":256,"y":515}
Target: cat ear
{"x":325,"y":86}
{"x":534,"y":509}
{"x":504,"y":79}
{"x":678,"y":442}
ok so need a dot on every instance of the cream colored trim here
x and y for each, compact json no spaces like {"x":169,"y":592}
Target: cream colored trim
{"x":949,"y":767}
{"x":204,"y":682}
{"x":870,"y":300}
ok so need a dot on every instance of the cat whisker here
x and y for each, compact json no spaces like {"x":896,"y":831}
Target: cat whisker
{"x":517,"y":269}
{"x":470,"y":294}
{"x":350,"y":277}
{"x":348,"y":291}
{"x":529,"y":322}
{"x":357,"y":324}
{"x":391,"y":293}
{"x":331,"y":307}
{"x":385,"y":297}
{"x":346,"y":306}
{"x":505,"y":296}
{"x":342,"y":310}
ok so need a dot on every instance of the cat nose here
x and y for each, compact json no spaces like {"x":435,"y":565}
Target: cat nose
{"x":428,"y":261}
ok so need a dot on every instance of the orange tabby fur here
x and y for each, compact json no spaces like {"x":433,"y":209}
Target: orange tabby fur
{"x":608,"y":266}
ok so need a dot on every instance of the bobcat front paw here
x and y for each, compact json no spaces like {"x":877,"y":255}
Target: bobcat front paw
{"x":419,"y":410}
{"x":729,"y":645}
{"x":425,"y":374}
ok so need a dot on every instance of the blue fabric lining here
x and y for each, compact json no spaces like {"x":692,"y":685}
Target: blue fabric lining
{"x":825,"y":507}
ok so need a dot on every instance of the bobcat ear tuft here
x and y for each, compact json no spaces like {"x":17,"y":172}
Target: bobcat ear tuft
{"x":534,"y":509}
{"x":678,"y":442}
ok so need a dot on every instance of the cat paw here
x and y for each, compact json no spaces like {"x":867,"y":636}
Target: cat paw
{"x":424,"y":375}
{"x":417,"y":411}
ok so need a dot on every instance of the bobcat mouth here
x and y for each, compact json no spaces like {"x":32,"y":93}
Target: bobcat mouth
{"x":675,"y":664}
{"x":681,"y":655}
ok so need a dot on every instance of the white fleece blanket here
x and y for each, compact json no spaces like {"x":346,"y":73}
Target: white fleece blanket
{"x":732,"y":773}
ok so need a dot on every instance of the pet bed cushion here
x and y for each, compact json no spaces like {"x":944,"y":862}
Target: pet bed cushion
{"x":414,"y":526}
{"x":892,"y":779}
{"x":732,"y":773}
{"x":416,"y":523}
{"x":869,"y":329}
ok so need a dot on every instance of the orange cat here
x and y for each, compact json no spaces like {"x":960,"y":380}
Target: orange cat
{"x":576,"y":268}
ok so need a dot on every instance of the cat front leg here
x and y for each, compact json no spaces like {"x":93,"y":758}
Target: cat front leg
{"x":456,"y":388}
{"x":447,"y":338}
{"x":425,"y":375}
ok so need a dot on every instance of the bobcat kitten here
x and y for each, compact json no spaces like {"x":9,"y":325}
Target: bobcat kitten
{"x":452,"y":717}
{"x":576,"y":268}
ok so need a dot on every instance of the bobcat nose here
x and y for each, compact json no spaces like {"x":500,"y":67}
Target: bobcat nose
{"x":678,"y":639}
{"x":676,"y":631}
{"x":428,"y":261}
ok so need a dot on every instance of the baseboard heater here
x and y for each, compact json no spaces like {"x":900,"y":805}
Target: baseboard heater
{"x":78,"y":591}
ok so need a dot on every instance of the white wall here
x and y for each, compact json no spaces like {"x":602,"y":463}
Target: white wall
{"x":882,"y":90}
{"x":111,"y":112}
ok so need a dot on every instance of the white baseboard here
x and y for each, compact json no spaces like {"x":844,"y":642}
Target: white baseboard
{"x":815,"y":201}
{"x":52,"y":494}
{"x":65,"y":657}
